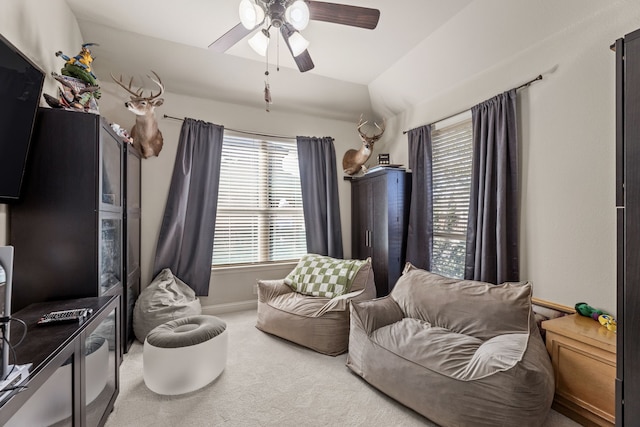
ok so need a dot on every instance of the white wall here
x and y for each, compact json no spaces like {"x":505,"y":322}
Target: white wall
{"x":567,"y":128}
{"x":235,"y":285}
{"x":38,"y":29}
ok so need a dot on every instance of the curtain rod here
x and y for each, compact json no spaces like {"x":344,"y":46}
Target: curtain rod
{"x":522,"y":86}
{"x":246,"y":132}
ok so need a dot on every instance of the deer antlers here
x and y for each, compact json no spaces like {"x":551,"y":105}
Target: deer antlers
{"x":147,"y":138}
{"x":137,"y":95}
{"x":373,"y":138}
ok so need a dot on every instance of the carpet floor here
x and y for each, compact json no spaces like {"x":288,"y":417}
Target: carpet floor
{"x":267,"y":382}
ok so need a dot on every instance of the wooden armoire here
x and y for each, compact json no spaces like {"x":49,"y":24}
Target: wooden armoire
{"x":379,"y":218}
{"x":628,"y":228}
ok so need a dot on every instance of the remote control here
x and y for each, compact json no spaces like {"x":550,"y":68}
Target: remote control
{"x":73,"y":315}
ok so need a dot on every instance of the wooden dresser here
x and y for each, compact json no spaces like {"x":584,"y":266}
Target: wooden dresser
{"x":583,"y":354}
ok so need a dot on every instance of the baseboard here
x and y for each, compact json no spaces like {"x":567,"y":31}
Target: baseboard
{"x":230,"y":307}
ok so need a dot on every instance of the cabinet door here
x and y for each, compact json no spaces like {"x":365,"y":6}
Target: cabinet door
{"x":132,"y":292}
{"x":379,"y":233}
{"x":361,"y":219}
{"x":133,"y":244}
{"x":110,"y":251}
{"x":133,"y":179}
{"x":52,"y":402}
{"x":101,"y":363}
{"x":133,"y":213}
{"x":110,"y":185}
{"x":398,"y":190}
{"x":631,"y":297}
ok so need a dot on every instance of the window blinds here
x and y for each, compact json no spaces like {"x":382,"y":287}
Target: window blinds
{"x":259,"y":217}
{"x":452,"y":157}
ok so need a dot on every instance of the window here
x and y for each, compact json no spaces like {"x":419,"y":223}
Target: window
{"x":452,"y":157}
{"x":259,"y":217}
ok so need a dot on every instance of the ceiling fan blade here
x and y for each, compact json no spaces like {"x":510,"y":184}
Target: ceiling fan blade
{"x":303,"y":61}
{"x":344,"y":14}
{"x":229,"y":38}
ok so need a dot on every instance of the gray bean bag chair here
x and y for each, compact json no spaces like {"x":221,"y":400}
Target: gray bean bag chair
{"x":459,"y":352}
{"x":166,"y":298}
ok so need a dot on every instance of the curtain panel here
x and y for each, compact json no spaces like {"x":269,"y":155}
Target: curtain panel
{"x":320,"y":203}
{"x":492,"y":233}
{"x":420,"y":228}
{"x":185,"y":243}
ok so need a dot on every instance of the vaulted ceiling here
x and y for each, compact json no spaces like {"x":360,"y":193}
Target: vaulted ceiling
{"x":172,"y":38}
{"x":419,"y":49}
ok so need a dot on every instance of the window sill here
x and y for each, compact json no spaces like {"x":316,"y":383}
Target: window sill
{"x":261,"y":267}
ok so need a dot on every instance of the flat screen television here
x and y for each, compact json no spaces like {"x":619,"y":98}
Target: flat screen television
{"x":21,"y":84}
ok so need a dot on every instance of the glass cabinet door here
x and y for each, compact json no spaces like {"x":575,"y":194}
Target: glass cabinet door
{"x":133,"y":179}
{"x":110,"y":170}
{"x":133,"y":243}
{"x":110,"y":252}
{"x":100,"y":368}
{"x":52,"y":403}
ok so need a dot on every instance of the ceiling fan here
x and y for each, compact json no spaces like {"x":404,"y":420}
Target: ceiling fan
{"x":290,"y":17}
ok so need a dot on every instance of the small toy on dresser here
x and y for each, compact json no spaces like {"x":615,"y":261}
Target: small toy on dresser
{"x":606,"y":320}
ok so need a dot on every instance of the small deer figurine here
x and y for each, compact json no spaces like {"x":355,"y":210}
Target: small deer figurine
{"x":354,"y":160}
{"x":147,"y":138}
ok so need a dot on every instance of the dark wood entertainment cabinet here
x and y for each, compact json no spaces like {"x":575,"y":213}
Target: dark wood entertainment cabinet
{"x":76,"y":227}
{"x":74,"y":379}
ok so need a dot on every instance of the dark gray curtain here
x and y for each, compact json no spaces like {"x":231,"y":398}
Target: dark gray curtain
{"x":420,"y":232}
{"x":319,"y":182}
{"x":492,"y":233}
{"x":185,"y":243}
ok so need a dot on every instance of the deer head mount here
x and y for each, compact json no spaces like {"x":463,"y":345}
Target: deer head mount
{"x":147,"y":138}
{"x":354,"y":160}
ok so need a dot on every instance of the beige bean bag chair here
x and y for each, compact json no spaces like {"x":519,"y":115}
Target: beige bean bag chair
{"x":461,"y":353}
{"x":311,"y":306}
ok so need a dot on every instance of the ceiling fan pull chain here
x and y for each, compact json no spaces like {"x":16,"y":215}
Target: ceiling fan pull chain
{"x":278,"y":52}
{"x":267,"y":90}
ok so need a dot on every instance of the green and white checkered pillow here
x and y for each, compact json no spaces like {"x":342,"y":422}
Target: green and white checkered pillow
{"x":323,"y":276}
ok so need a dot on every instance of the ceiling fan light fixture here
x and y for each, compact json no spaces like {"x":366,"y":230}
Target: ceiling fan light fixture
{"x":298,"y":43}
{"x":251,"y":14}
{"x":259,"y":43}
{"x":298,"y":15}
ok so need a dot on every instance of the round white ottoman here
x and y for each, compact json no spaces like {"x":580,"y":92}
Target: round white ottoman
{"x":184,"y":355}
